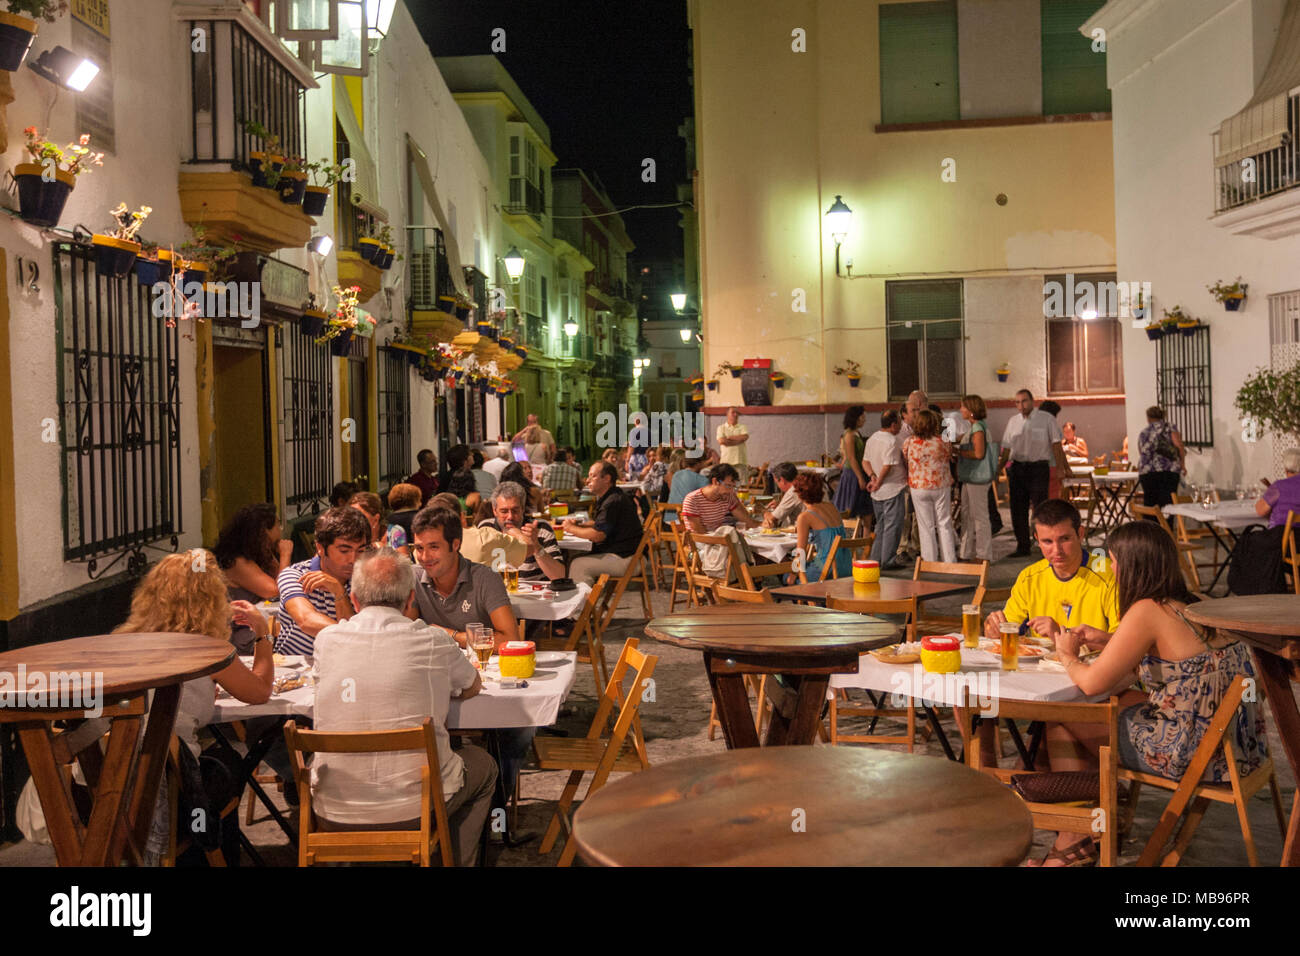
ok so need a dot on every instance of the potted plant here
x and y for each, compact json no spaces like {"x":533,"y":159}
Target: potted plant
{"x":313,"y":319}
{"x":293,"y":180}
{"x":204,"y":257}
{"x":45,"y":183}
{"x":324,"y":175}
{"x":265,"y":163}
{"x":147,"y":270}
{"x":18,"y":27}
{"x":711,"y":385}
{"x":1231,"y":294}
{"x":1003,"y":371}
{"x":1273,"y":399}
{"x":1178,"y":319}
{"x":777,"y":378}
{"x":727,"y":367}
{"x":370,"y":246}
{"x":1155,"y":330}
{"x":116,"y":250}
{"x":343,"y":323}
{"x":851,"y":369}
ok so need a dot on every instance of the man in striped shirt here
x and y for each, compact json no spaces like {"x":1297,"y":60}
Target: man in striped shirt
{"x":707,"y":509}
{"x":314,"y":593}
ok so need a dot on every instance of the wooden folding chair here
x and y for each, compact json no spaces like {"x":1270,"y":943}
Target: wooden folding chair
{"x":683,"y":568}
{"x":1201,"y":535}
{"x":1077,"y":816}
{"x":751,"y":574}
{"x":843,"y":544}
{"x":1082,"y":493}
{"x":1192,"y":790}
{"x":336,"y":846}
{"x":734,"y":560}
{"x":1186,"y":550}
{"x":840,"y":703}
{"x":177,"y":848}
{"x":756,"y":682}
{"x":635,"y":566}
{"x":977,"y":571}
{"x":597,"y":753}
{"x":1290,"y":557}
{"x":585,"y":636}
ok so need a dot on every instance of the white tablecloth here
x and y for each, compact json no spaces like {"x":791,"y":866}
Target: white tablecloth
{"x":537,"y":705}
{"x":571,"y":542}
{"x":980,"y":671}
{"x":774,"y":547}
{"x":1113,"y":477}
{"x":1226,"y":514}
{"x":533,"y":606}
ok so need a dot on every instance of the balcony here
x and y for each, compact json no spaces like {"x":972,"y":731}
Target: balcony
{"x":1266,"y":203}
{"x":525,"y":207}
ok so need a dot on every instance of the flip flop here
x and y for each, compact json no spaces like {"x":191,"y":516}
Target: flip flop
{"x":1074,"y":854}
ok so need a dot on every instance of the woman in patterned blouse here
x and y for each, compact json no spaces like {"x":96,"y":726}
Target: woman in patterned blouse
{"x":929,"y":475}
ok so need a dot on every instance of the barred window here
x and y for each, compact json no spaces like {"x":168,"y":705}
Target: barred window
{"x":308,"y":421}
{"x":924,"y":329}
{"x":394,"y":417}
{"x":119,"y":416}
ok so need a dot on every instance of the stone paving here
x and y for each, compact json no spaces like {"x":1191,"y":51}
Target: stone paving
{"x":675,"y":727}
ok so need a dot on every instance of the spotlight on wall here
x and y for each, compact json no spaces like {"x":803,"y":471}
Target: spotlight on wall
{"x":321,"y":245}
{"x":64,"y":68}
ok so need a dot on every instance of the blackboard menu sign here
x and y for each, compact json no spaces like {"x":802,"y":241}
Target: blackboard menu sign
{"x":756,"y":382}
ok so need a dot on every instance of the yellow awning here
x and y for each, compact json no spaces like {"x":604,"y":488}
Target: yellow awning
{"x":421,"y":163}
{"x":365,"y":190}
{"x":1262,"y":124}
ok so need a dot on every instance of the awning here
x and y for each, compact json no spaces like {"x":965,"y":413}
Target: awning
{"x":1261,"y":124}
{"x":421,"y":163}
{"x":365,"y":190}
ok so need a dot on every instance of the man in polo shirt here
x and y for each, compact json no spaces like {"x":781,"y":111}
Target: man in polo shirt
{"x":614,"y":529}
{"x":544,"y":558}
{"x":788,"y":507}
{"x":707,"y":510}
{"x":314,"y":593}
{"x":1031,"y":440}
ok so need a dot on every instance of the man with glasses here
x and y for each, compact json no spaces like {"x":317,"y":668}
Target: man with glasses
{"x":544,"y":558}
{"x":709,"y":508}
{"x":614,"y":529}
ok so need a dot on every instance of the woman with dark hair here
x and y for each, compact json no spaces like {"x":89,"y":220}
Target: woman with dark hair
{"x":1162,"y":459}
{"x":368,"y":503}
{"x":819,"y":524}
{"x":403,"y":503}
{"x":517,"y":473}
{"x":1186,"y":674}
{"x":251,"y":554}
{"x":851,"y":493}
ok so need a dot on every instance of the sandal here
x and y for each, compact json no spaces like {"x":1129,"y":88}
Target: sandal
{"x":1074,"y":855}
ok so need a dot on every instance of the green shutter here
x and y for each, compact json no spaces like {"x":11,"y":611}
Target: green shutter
{"x":1074,"y":77}
{"x":918,"y":62}
{"x":923,"y":301}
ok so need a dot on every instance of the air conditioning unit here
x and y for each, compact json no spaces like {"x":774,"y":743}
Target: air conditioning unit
{"x":424,"y":279}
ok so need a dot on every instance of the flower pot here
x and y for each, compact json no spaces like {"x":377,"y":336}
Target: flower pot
{"x":114,"y":257}
{"x":384,"y":258}
{"x":166,"y":265}
{"x":736,"y":372}
{"x":1187,"y":328}
{"x":369,"y":248}
{"x":521,"y":351}
{"x":16,"y":36}
{"x":314,"y":199}
{"x":195,"y":272}
{"x":265,"y":169}
{"x":341,"y":344}
{"x":312,"y":322}
{"x":447,"y":303}
{"x":779,"y":383}
{"x":40,"y":202}
{"x":855,"y":381}
{"x":292,"y":187}
{"x":147,"y":272}
{"x":713,"y":386}
{"x":1002,"y":376}
{"x":1233,"y":303}
{"x":1155,"y":333}
{"x":463,"y":311}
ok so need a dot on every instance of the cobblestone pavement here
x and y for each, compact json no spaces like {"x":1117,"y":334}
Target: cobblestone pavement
{"x":675,"y":727}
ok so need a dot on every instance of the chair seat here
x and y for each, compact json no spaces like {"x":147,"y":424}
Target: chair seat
{"x":1219,"y":792}
{"x":582,"y":753}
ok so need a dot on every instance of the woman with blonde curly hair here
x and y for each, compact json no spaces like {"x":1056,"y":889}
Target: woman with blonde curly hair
{"x":186,"y":593}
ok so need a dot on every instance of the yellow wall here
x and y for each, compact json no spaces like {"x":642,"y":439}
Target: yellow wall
{"x":781,"y":133}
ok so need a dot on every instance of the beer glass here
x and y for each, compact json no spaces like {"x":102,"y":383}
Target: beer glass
{"x":970,"y":624}
{"x":1010,"y":646}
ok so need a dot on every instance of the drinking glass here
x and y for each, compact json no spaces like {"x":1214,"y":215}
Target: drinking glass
{"x":1010,"y":646}
{"x":511,"y":577}
{"x":970,"y":624}
{"x":482,"y":642}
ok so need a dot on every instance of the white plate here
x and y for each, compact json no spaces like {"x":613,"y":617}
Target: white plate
{"x":551,"y":658}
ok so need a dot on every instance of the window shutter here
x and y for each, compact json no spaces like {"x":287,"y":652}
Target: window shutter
{"x":922,"y":301}
{"x":514,"y":155}
{"x":918,"y":62}
{"x":1074,"y":77}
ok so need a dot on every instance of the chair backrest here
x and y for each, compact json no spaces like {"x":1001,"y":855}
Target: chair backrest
{"x":751,"y":574}
{"x":987,"y":595}
{"x":1069,"y":712}
{"x":843,"y":544}
{"x":724,"y":541}
{"x":1151,"y":511}
{"x":1288,"y":542}
{"x":965,"y":569}
{"x":742,"y":596}
{"x":905,"y":606}
{"x":641,"y":666}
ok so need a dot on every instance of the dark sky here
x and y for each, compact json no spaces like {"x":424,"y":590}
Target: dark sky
{"x":610,"y":79}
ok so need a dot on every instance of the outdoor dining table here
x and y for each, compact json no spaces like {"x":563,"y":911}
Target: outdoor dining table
{"x":774,"y":547}
{"x":803,"y":646}
{"x":533,"y":604}
{"x":1270,"y":624}
{"x":1228,"y":517}
{"x":1115,"y":490}
{"x":886,"y":589}
{"x":804,"y":806}
{"x":125,"y":777}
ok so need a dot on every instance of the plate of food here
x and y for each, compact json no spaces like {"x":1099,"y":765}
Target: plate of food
{"x":898,"y":654}
{"x":1030,"y":649}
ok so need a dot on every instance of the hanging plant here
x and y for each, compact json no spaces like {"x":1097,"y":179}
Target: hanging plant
{"x":1231,"y":295}
{"x":727,"y":367}
{"x":849,"y":368}
{"x":115,"y":250}
{"x":267,"y":163}
{"x":343,"y":323}
{"x":18,"y":28}
{"x":45,"y":183}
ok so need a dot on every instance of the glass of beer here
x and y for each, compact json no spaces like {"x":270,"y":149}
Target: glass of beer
{"x":511,"y":576}
{"x":1010,"y":646}
{"x":482,"y":640}
{"x":970,"y":625}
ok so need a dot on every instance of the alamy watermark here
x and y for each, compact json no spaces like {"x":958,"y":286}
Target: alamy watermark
{"x":1088,"y":298}
{"x":67,"y":690}
{"x":647,"y":429}
{"x":945,"y":690}
{"x":209,"y":300}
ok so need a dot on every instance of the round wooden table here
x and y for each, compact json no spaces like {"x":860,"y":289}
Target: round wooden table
{"x":118,"y":672}
{"x":805,"y":806}
{"x":802,"y":645}
{"x":1270,"y":624}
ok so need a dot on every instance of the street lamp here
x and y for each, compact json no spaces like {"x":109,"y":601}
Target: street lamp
{"x":570,"y":328}
{"x":838,"y":219}
{"x":685,"y":334}
{"x":514,"y":264}
{"x":678,"y":300}
{"x":379,"y":14}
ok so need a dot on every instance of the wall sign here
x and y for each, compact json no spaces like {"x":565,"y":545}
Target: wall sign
{"x":91,"y":39}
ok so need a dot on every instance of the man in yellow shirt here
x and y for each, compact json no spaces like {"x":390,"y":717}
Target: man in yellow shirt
{"x":1061,"y":590}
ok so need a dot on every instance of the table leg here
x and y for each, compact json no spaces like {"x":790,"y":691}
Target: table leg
{"x":800,"y":729}
{"x":55,"y":790}
{"x":248,"y":766}
{"x":152,"y":760}
{"x":1228,"y":553}
{"x":732,"y":698}
{"x":109,"y":827}
{"x":938,"y":731}
{"x":1275,"y":677}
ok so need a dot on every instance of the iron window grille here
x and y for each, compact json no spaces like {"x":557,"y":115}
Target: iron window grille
{"x":394,"y":417}
{"x":119,"y":416}
{"x":1183,"y":384}
{"x":308,"y":421}
{"x":234,"y":68}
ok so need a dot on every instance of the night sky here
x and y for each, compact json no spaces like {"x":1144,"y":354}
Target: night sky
{"x":609,"y":78}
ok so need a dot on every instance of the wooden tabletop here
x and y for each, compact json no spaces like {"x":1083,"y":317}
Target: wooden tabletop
{"x":886,"y":589}
{"x":762,"y":628}
{"x":128,"y":662}
{"x":1270,"y":621}
{"x":804,"y":806}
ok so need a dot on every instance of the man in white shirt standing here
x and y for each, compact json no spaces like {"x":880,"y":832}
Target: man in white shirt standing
{"x":882,"y":460}
{"x":1031,"y":441}
{"x":379,"y":670}
{"x":731,"y":440}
